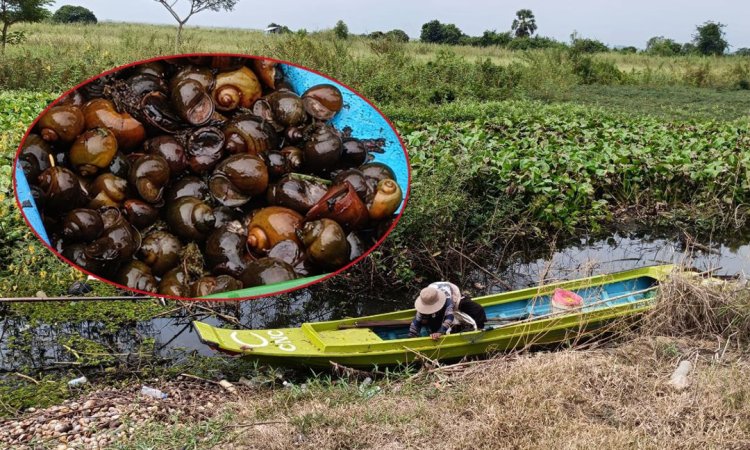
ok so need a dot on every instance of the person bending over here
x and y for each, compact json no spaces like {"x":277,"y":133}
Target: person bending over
{"x":442,"y":310}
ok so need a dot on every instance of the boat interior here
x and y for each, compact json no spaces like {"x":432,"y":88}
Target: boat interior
{"x":501,"y":310}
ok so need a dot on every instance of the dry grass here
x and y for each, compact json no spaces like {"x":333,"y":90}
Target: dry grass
{"x":706,"y":308}
{"x":593,"y":395}
{"x":613,"y":398}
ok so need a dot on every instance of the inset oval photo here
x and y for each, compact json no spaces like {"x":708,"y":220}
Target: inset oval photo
{"x":211,"y":176}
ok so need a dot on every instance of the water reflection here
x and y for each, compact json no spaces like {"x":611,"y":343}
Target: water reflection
{"x":41,"y":347}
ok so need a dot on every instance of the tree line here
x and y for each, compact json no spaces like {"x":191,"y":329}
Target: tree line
{"x":709,"y":38}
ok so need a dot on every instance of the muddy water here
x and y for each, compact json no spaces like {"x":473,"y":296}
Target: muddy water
{"x":175,"y":339}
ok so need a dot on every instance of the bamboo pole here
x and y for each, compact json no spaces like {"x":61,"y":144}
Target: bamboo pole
{"x":71,"y":299}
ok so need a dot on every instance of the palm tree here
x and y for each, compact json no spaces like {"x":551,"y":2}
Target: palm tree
{"x":524,"y":24}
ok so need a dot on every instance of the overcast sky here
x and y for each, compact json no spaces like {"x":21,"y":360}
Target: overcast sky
{"x":615,"y":22}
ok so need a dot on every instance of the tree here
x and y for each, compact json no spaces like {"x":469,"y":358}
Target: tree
{"x":440,"y":33}
{"x":341,"y":30}
{"x":196,"y":6}
{"x":709,"y":39}
{"x":73,"y":14}
{"x":524,"y":24}
{"x":397,"y":35}
{"x":489,"y":38}
{"x":661,"y":46}
{"x":13,"y":11}
{"x":743,"y":52}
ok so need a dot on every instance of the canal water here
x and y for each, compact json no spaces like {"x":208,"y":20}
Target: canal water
{"x":175,"y":339}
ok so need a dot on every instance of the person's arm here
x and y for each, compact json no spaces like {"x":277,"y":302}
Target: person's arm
{"x":447,"y":318}
{"x":416,"y":326}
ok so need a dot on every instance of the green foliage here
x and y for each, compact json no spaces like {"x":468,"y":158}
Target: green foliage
{"x":13,"y":11}
{"x":661,"y":46}
{"x":744,"y":51}
{"x":596,"y":71}
{"x":585,"y":45}
{"x":564,"y":166}
{"x":440,"y":33}
{"x":709,"y":39}
{"x":489,"y":38}
{"x":341,"y":30}
{"x":397,"y":35}
{"x":534,"y":43}
{"x":629,"y":50}
{"x":73,"y":14}
{"x":524,"y":25}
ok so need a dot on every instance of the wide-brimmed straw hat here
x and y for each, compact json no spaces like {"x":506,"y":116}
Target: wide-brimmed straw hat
{"x":430,"y":300}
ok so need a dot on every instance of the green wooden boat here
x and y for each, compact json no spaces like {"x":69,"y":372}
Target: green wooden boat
{"x":515,"y":319}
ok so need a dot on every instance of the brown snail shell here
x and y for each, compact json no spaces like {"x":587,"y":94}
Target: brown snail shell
{"x":62,"y":189}
{"x":139,"y":213}
{"x":289,"y":251}
{"x":189,"y":186}
{"x":75,"y":253}
{"x":294,"y":155}
{"x":202,"y":75}
{"x":171,"y":150}
{"x":137,"y":275}
{"x":193,"y":103}
{"x":342,"y":204}
{"x":117,"y":244}
{"x":270,"y":225}
{"x":354,"y":153}
{"x":161,"y":251}
{"x":326,"y":243}
{"x":322,"y":150}
{"x":101,"y":113}
{"x":225,"y":214}
{"x":93,"y":151}
{"x":249,"y":134}
{"x":145,"y":83}
{"x":205,"y":148}
{"x":120,"y":165}
{"x":266,"y":70}
{"x":297,"y":194}
{"x":287,"y":108}
{"x":174,"y":283}
{"x":61,"y":123}
{"x":262,"y":109}
{"x":150,"y":174}
{"x":73,"y":98}
{"x":323,"y":101}
{"x":359,"y":182}
{"x":225,"y":249}
{"x":236,"y":89}
{"x":377,"y":171}
{"x":357,"y":246}
{"x":386,"y":201}
{"x":190,"y":218}
{"x":81,"y":225}
{"x":159,"y":114}
{"x":237,"y":179}
{"x":108,"y":190}
{"x":265,"y":271}
{"x":214,"y":285}
{"x":34,"y":156}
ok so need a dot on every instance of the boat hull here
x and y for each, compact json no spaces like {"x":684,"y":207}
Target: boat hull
{"x":319,"y":344}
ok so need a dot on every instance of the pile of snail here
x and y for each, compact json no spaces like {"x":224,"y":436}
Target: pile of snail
{"x":199,"y":175}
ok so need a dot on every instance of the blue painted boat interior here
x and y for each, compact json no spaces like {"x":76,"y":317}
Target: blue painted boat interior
{"x":595,"y":296}
{"x":364,"y":121}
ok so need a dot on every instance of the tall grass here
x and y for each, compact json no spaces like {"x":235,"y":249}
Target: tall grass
{"x":58,"y":56}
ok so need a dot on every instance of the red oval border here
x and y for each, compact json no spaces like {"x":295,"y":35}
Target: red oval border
{"x":211,"y":300}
